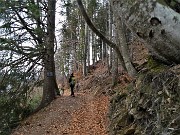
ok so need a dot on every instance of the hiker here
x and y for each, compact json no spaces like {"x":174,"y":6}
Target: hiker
{"x":72,"y":84}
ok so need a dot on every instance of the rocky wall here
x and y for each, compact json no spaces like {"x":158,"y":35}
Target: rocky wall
{"x":149,"y":106}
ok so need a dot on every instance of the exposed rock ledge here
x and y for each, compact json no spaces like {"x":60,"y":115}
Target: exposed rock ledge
{"x":150,"y":105}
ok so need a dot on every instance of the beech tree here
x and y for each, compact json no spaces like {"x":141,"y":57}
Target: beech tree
{"x":156,"y":23}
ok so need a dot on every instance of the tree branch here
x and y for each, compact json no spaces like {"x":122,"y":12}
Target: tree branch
{"x":28,"y":29}
{"x":98,"y":33}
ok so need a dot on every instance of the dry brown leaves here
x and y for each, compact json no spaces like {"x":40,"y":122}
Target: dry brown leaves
{"x":82,"y":115}
{"x":86,"y":114}
{"x":91,"y":119}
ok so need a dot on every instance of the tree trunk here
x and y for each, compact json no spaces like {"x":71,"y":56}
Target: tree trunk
{"x":156,"y":24}
{"x":100,"y":49}
{"x":115,"y":69}
{"x":123,"y":43}
{"x":85,"y":51}
{"x":50,"y":84}
{"x":93,"y":48}
{"x":110,"y":35}
{"x":88,"y":48}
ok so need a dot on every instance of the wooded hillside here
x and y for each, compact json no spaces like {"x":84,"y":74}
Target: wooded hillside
{"x":43,"y":41}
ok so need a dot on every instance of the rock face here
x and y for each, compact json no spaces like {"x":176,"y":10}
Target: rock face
{"x":150,"y":106}
{"x":154,"y":22}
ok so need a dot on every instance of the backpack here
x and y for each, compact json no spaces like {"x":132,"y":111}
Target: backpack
{"x":72,"y":81}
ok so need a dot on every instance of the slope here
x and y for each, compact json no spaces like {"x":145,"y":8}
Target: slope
{"x":86,"y":113}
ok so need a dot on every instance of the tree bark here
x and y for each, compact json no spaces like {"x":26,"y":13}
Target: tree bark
{"x":85,"y":51}
{"x":115,"y":70}
{"x":156,"y":24}
{"x":110,"y":35}
{"x":120,"y":28}
{"x":50,"y":84}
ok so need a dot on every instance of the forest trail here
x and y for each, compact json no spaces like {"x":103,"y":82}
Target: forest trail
{"x":83,"y":114}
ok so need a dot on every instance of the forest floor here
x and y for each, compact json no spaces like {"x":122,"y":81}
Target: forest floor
{"x":84,"y":114}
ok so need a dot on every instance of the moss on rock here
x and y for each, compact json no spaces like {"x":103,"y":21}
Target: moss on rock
{"x":152,"y":106}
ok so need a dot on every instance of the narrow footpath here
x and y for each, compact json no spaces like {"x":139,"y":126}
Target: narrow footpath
{"x":83,"y":114}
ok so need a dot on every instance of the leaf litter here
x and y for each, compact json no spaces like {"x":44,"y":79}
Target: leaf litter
{"x":84,"y":114}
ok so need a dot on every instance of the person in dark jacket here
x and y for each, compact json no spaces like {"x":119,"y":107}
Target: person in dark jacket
{"x":72,"y":84}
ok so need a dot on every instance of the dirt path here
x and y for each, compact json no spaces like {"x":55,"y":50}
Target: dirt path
{"x":80,"y":115}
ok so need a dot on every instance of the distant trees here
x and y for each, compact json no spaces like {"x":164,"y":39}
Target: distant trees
{"x":93,"y":42}
{"x":89,"y":48}
{"x":122,"y":50}
{"x":70,"y":50}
